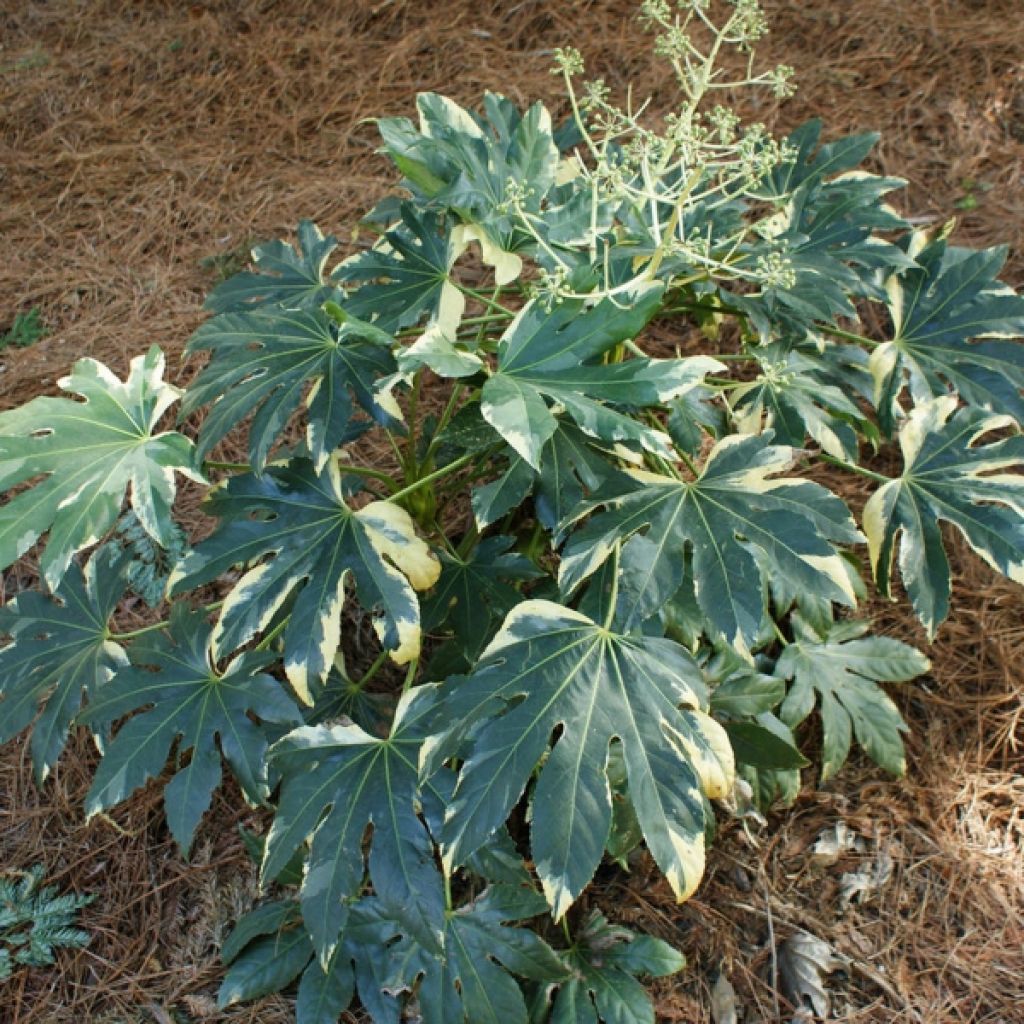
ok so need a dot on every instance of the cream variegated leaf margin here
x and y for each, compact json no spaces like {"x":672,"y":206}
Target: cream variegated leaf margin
{"x":739,"y":520}
{"x":955,"y":327}
{"x":551,"y":669}
{"x":948,"y":475}
{"x":308,"y":544}
{"x":90,"y":453}
{"x":406,"y":277}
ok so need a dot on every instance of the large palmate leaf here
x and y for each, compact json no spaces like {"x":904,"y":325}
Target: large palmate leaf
{"x":796,"y":399}
{"x":811,"y":163}
{"x":551,"y":670}
{"x":464,"y":974}
{"x":606,"y":961}
{"x":939,"y":312}
{"x":89,"y":454}
{"x":191,"y":701}
{"x":60,"y":649}
{"x":269,"y":948}
{"x":338,"y":781}
{"x":298,"y":518}
{"x":739,"y":522}
{"x":405,"y":277}
{"x":826,"y":236}
{"x":825,"y":231}
{"x":551,"y":356}
{"x":843,"y":668}
{"x":947,"y":475}
{"x":473,"y":593}
{"x":264,"y":361}
{"x":458,"y":160}
{"x":572,"y":465}
{"x":283,"y":277}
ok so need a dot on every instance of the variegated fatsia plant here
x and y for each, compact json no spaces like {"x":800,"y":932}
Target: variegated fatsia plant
{"x":606,"y":588}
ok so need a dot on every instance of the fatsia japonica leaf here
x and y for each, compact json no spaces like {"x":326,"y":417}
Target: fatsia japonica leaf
{"x":263,"y":362}
{"x":339,"y":781}
{"x":825,"y":238}
{"x":89,"y":454}
{"x":188,"y":700}
{"x":739,"y":520}
{"x":553,"y":669}
{"x":552,"y":356}
{"x":947,"y":475}
{"x":405,"y":277}
{"x":843,"y":668}
{"x":283,"y":276}
{"x":768,"y":785}
{"x":572,"y":465}
{"x":269,"y":948}
{"x":811,"y":163}
{"x":606,"y":961}
{"x":465,"y":975}
{"x":824,"y":231}
{"x":952,"y":322}
{"x":341,"y":696}
{"x":315,"y":541}
{"x":795,"y":401}
{"x":60,"y":649}
{"x":474,"y":592}
{"x":465,"y":163}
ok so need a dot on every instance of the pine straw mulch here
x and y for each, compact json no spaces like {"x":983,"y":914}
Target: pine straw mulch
{"x":143,"y":143}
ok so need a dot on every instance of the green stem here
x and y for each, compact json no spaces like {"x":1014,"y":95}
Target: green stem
{"x":265,"y":643}
{"x":690,"y":464}
{"x":372,"y":670}
{"x":445,"y":419}
{"x":613,"y":598}
{"x":778,"y":632}
{"x":870,"y":473}
{"x":838,"y":332}
{"x":414,"y":401}
{"x":488,"y":302}
{"x":410,"y":675}
{"x":373,"y":474}
{"x":231,"y":467}
{"x":431,"y":477}
{"x":117,"y":637}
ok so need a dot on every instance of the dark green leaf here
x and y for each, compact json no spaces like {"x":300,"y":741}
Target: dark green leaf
{"x":738,"y":689}
{"x":738,"y":520}
{"x":548,"y":355}
{"x":338,"y":780}
{"x":301,"y":519}
{"x":59,"y":651}
{"x":794,"y":401}
{"x":264,"y":361}
{"x":951,"y":318}
{"x":405,"y":278}
{"x":474,"y":593}
{"x":266,"y":965}
{"x":606,"y":961}
{"x":551,"y":669}
{"x":464,"y":974}
{"x":283,"y":277}
{"x":192,"y":702}
{"x":756,"y":745}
